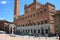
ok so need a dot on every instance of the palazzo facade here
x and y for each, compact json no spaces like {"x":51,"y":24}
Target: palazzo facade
{"x":37,"y":18}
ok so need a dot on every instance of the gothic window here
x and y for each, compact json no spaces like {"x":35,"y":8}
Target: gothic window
{"x":33,"y":8}
{"x":45,"y":10}
{"x":30,"y":15}
{"x":38,"y":13}
{"x":30,"y":24}
{"x":46,"y":21}
{"x":33,"y":15}
{"x":26,"y":24}
{"x":38,"y":23}
{"x":29,"y":21}
{"x":23,"y":18}
{"x":41,"y":22}
{"x":22,"y":25}
{"x":34,"y":23}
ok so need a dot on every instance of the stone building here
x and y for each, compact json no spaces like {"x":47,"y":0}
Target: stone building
{"x":37,"y":18}
{"x":57,"y":22}
{"x":4,"y":25}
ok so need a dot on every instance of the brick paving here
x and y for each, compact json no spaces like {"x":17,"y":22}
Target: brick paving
{"x":8,"y":37}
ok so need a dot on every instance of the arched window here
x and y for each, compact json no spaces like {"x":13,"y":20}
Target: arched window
{"x":33,"y":15}
{"x":34,"y":23}
{"x":38,"y":23}
{"x":41,"y":22}
{"x":46,"y":21}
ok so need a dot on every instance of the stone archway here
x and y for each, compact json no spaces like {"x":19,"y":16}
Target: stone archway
{"x":12,"y":28}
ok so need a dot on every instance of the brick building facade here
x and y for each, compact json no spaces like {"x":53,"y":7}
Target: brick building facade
{"x":35,"y":14}
{"x":57,"y":22}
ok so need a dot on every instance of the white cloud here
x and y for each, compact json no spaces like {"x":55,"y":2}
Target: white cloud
{"x":3,"y":2}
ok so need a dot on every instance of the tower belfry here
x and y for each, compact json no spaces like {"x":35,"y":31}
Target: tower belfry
{"x":16,"y":8}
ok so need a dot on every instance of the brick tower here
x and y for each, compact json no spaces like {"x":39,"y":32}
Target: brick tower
{"x":16,"y":10}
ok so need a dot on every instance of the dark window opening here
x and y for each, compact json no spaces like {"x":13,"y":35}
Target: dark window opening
{"x":22,"y":25}
{"x":25,"y":17}
{"x":38,"y":30}
{"x":34,"y":31}
{"x":30,"y":24}
{"x":38,"y":13}
{"x":46,"y":21}
{"x":33,"y":8}
{"x":28,"y":31}
{"x":22,"y":18}
{"x":29,"y":21}
{"x":34,"y":23}
{"x":23,"y":30}
{"x":38,"y":23}
{"x":30,"y":15}
{"x":33,"y":14}
{"x":45,"y":10}
{"x":31,"y":31}
{"x":26,"y":25}
{"x":41,"y":22}
{"x":42,"y":32}
{"x":46,"y":31}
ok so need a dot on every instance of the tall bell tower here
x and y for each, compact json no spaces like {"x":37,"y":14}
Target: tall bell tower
{"x":16,"y":9}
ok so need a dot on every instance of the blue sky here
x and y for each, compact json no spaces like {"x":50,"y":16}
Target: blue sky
{"x":7,"y":7}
